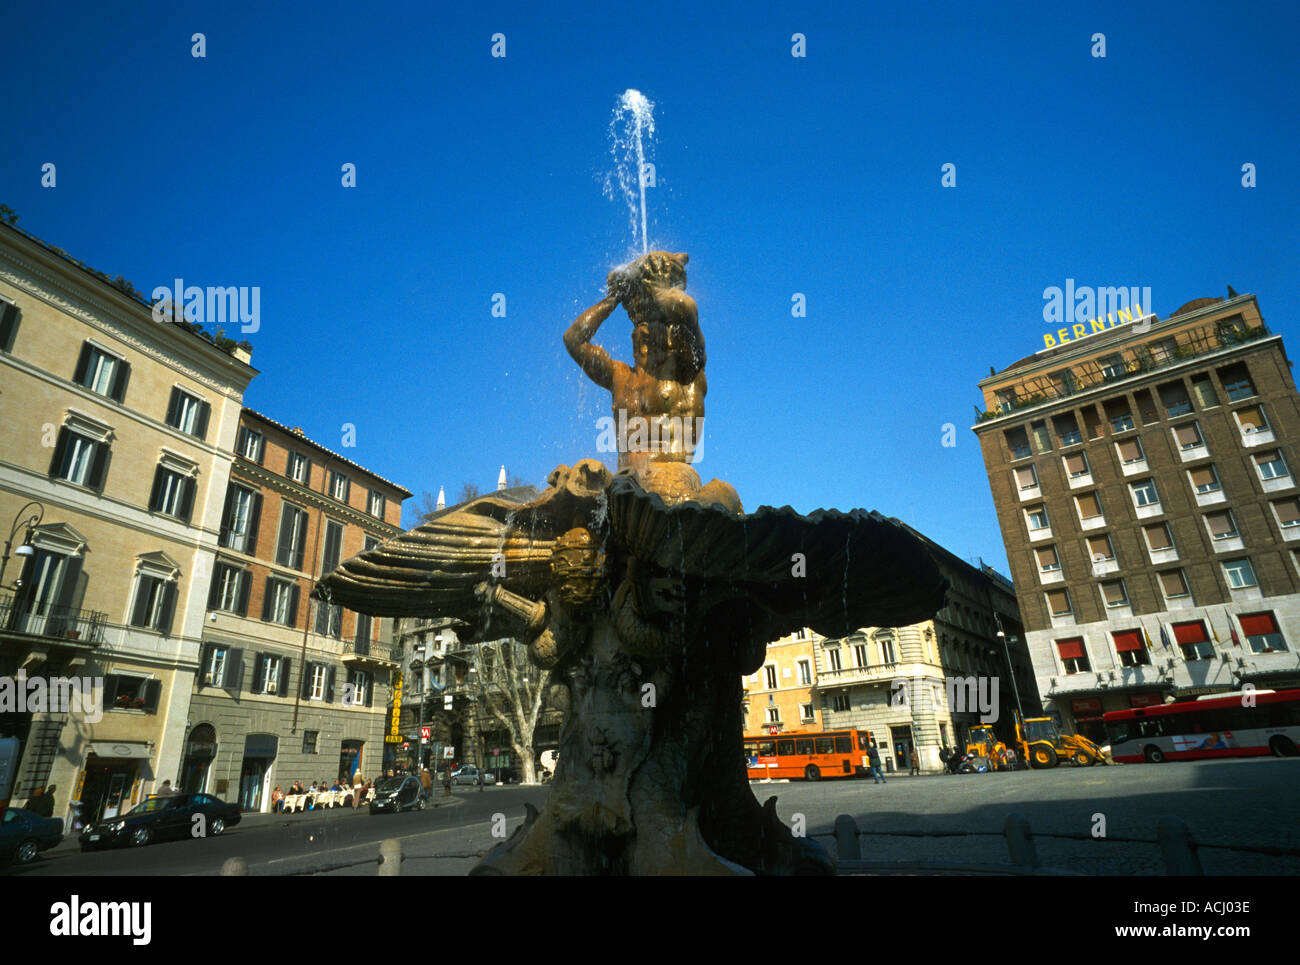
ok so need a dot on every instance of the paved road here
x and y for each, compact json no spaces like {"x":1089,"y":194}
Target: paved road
{"x":1242,"y":801}
{"x":282,"y":844}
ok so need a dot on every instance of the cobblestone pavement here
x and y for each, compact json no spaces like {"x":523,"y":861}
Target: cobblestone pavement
{"x":1247,"y":802}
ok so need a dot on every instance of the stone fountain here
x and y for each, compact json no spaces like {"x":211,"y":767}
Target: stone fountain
{"x":648,"y":595}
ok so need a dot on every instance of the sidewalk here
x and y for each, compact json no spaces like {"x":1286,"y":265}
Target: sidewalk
{"x":261,"y":819}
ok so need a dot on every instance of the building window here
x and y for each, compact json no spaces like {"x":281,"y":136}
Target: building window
{"x":1188,"y":435}
{"x":271,"y":675}
{"x":1288,"y":512}
{"x":1271,"y":465}
{"x":240,"y":520}
{"x":1100,"y":550}
{"x":860,"y":654}
{"x":155,"y":603}
{"x":1026,"y":478}
{"x":1174,"y":583}
{"x":1252,"y":419}
{"x":79,"y":459}
{"x":1067,"y":429}
{"x":1076,"y":465}
{"x":229,"y":589}
{"x":800,"y":634}
{"x":298,"y":468}
{"x":188,"y":413}
{"x":102,"y":373}
{"x":1112,"y":367}
{"x":1048,"y":560}
{"x":1236,"y":382}
{"x":1058,"y":603}
{"x":1144,"y":493}
{"x":1158,"y":537}
{"x":214,"y":672}
{"x":1262,"y":633}
{"x":357,"y":690}
{"x":329,"y":620}
{"x":309,"y":738}
{"x":280,"y":602}
{"x":376,"y":504}
{"x":1173,"y":396}
{"x":887,"y":651}
{"x":318,"y":675}
{"x":833,"y":655}
{"x":805,"y":672}
{"x":1074,"y":659}
{"x":1205,"y":479}
{"x":1018,"y":443}
{"x":1132,"y":651}
{"x":251,"y":445}
{"x":805,"y":713}
{"x":1222,"y":525}
{"x":840,"y":702}
{"x":363,"y":636}
{"x":8,"y":324}
{"x":1239,"y":574}
{"x":1114,"y":594}
{"x":173,"y":493}
{"x":1037,"y":517}
{"x":774,"y":715}
{"x":771,"y":677}
{"x":1121,"y":420}
{"x":1203,"y":389}
{"x":340,"y":486}
{"x":1130,"y":451}
{"x":293,"y":537}
{"x":1192,"y":640}
{"x":1089,"y":506}
{"x":131,"y":692}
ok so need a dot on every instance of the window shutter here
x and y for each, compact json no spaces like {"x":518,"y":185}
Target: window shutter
{"x":259,"y":672}
{"x":188,"y":486}
{"x":227,"y":512}
{"x":1257,"y":624}
{"x":1025,"y":477}
{"x":302,"y":543}
{"x":1158,"y":538}
{"x":1190,"y":632}
{"x":214,"y":591}
{"x":173,"y":405}
{"x":1251,"y":417}
{"x":1070,"y":648}
{"x":1089,"y":507}
{"x":141,"y":601}
{"x":1099,"y":546}
{"x":1220,"y":524}
{"x":1075,"y":464}
{"x":1288,"y":510}
{"x":329,"y":686}
{"x":1128,"y":641}
{"x":168,"y":609}
{"x":123,"y":375}
{"x":201,"y":422}
{"x":1046,"y":556}
{"x":70,"y":590}
{"x":286,"y":667}
{"x":288,"y":464}
{"x":1129,"y":450}
{"x":282,"y":544}
{"x":293,"y":606}
{"x":1172,"y":583}
{"x":1202,"y":477}
{"x":241,"y":605}
{"x":254,"y":520}
{"x":370,"y":692}
{"x":157,"y":488}
{"x":152,"y":691}
{"x":1058,"y":602}
{"x":98,"y":466}
{"x":1187,"y":435}
{"x":1114,"y":592}
{"x":266,"y":600}
{"x":347,"y":489}
{"x":304,"y":691}
{"x":83,"y":363}
{"x":306,"y":475}
{"x":234,"y":670}
{"x":60,"y":450}
{"x":8,"y":324}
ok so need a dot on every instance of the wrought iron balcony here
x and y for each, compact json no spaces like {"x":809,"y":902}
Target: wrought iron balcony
{"x":51,"y":622}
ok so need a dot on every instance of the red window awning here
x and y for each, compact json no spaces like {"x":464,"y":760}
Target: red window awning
{"x":1070,"y":648}
{"x":1128,"y":640}
{"x":1190,"y":632}
{"x":1258,"y":624}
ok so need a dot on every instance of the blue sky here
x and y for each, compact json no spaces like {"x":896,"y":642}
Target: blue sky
{"x":819,"y":175}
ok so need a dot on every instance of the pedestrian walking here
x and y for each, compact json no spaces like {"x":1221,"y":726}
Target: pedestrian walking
{"x":873,"y":757}
{"x":916,"y":764}
{"x":356,"y":789}
{"x":426,"y":782}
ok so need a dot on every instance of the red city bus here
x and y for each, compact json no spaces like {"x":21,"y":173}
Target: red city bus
{"x":833,"y":753}
{"x":1242,"y":724}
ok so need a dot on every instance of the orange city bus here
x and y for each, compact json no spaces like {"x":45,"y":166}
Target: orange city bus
{"x":832,"y":753}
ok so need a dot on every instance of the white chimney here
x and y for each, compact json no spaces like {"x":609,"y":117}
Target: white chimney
{"x":501,"y":478}
{"x":442,"y":499}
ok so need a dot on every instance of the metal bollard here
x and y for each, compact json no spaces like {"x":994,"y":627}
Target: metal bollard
{"x":846,"y":839}
{"x":1178,"y":847}
{"x":390,"y":858}
{"x":1020,"y":841}
{"x":234,"y":867}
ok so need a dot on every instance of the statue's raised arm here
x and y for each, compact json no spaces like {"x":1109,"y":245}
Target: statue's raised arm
{"x":593,"y":359}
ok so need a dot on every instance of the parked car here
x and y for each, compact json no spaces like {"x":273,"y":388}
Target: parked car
{"x":23,"y":835}
{"x":159,"y":818}
{"x":469,"y":774}
{"x":397,"y":794}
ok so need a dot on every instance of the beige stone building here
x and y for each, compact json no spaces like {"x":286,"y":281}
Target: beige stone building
{"x":116,"y":437}
{"x":779,"y":697}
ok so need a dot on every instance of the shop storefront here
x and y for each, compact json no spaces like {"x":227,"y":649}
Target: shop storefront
{"x":350,"y":760}
{"x":255,"y":773}
{"x":109,"y":784}
{"x":200,"y":751}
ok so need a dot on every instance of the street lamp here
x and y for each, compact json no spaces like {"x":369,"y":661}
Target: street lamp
{"x":25,"y":548}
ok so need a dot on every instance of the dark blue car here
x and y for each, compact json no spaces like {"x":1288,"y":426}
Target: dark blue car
{"x":23,"y":835}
